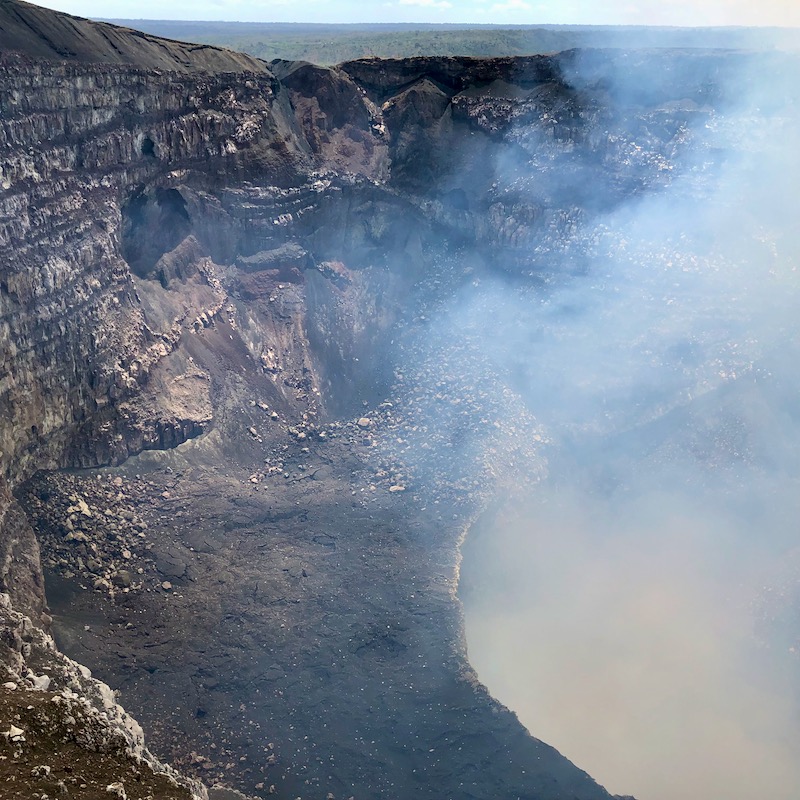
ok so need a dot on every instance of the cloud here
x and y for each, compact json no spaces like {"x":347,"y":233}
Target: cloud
{"x":427,"y":3}
{"x":510,"y":5}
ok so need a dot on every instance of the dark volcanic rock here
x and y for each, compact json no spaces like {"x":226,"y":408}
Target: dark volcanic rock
{"x":316,"y":639}
{"x":20,"y":566}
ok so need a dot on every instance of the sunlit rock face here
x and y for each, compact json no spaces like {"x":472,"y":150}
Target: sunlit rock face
{"x":283,"y":317}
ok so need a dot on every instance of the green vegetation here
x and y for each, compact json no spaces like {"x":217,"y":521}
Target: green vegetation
{"x":332,"y":44}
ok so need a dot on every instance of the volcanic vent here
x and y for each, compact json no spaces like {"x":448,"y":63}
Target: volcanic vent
{"x":257,"y":380}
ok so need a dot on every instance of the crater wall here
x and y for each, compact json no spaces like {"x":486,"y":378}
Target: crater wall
{"x":221,"y":264}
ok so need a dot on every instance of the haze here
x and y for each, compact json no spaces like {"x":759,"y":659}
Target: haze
{"x":517,"y":12}
{"x":638,"y":607}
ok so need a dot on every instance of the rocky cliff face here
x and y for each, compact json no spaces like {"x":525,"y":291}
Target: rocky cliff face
{"x":80,"y":144}
{"x":201,"y":253}
{"x":77,"y":344}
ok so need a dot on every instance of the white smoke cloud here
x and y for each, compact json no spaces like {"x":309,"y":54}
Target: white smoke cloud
{"x":640,"y":608}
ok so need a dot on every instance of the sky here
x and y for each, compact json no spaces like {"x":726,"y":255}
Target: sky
{"x":611,"y":12}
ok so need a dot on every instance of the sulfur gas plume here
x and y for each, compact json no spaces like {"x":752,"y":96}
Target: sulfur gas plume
{"x":636,"y":598}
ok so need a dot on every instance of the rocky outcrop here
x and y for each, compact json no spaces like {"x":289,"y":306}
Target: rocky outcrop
{"x":21,"y":576}
{"x":71,"y":735}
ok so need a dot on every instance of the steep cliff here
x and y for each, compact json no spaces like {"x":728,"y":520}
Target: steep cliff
{"x":80,"y":144}
{"x":217,"y":262}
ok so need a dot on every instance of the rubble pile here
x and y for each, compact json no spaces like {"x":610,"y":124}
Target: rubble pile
{"x":92,"y":529}
{"x":62,"y":732}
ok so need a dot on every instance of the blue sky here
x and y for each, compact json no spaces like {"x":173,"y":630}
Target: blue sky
{"x":646,"y":12}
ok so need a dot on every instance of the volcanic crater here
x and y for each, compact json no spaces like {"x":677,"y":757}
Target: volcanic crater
{"x":244,"y":422}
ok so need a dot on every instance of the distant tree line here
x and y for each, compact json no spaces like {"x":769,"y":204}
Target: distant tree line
{"x":332,"y":44}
